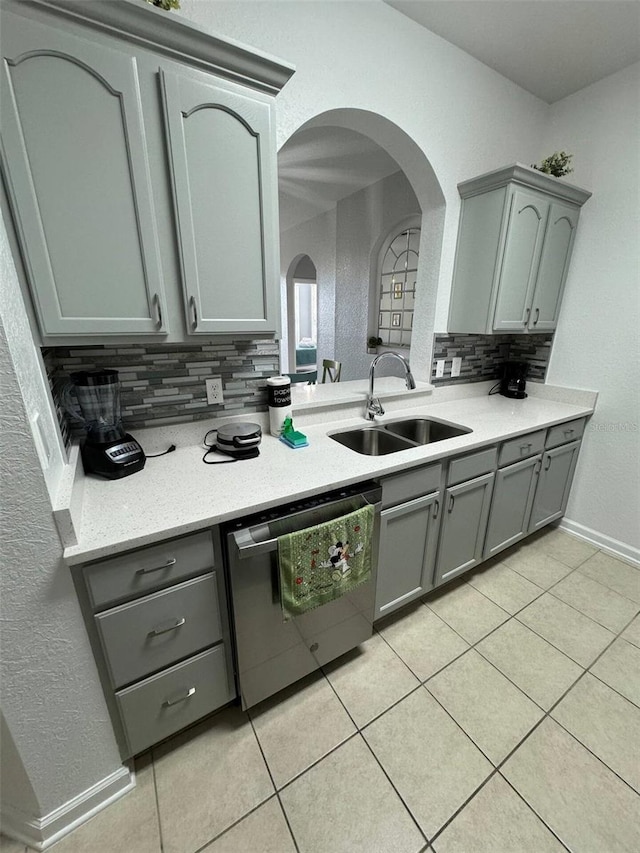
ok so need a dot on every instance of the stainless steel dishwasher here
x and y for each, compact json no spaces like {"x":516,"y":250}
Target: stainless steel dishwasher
{"x":272,"y":653}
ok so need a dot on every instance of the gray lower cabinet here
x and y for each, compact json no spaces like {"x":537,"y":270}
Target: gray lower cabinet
{"x":464,"y":524}
{"x":554,"y":482}
{"x":164,"y":656}
{"x":511,"y":505}
{"x":408,"y":538}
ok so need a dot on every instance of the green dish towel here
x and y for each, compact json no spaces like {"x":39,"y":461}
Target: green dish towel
{"x":321,"y":563}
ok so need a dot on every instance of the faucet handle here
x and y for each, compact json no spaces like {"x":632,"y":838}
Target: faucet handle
{"x":374,"y":408}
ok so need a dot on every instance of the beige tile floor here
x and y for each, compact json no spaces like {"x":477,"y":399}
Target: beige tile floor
{"x":499,"y":715}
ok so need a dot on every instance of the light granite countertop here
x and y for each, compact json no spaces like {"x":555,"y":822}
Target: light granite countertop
{"x":178,"y":494}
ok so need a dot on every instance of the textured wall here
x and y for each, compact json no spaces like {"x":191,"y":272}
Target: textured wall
{"x":26,"y":358}
{"x":466,"y":118}
{"x":51,"y":698}
{"x":597,"y":341}
{"x":317,"y":239}
{"x":365,"y":218}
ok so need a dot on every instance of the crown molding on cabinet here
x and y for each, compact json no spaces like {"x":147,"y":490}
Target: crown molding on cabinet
{"x":517,"y":173}
{"x":145,"y":25}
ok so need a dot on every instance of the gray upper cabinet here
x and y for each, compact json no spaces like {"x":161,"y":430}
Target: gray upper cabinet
{"x":516,"y":234}
{"x":137,"y":148}
{"x":224,"y":186}
{"x":75,"y":162}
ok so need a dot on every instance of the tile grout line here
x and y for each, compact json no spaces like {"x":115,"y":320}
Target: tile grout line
{"x":273,"y":782}
{"x":157,"y":798}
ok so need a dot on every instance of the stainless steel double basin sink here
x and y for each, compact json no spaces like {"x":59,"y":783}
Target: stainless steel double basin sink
{"x":380,"y":439}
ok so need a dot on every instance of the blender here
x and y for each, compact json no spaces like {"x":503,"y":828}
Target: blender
{"x":108,"y":450}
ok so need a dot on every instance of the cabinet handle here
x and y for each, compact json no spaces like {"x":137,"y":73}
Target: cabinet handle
{"x":526,"y":316}
{"x":537,"y":317}
{"x":436,"y":509}
{"x":452,"y":500}
{"x":194,"y":310}
{"x":548,"y":465}
{"x":569,"y":432}
{"x":157,"y":631}
{"x":158,"y":304}
{"x":166,"y":565}
{"x":525,"y":447}
{"x":169,"y":702}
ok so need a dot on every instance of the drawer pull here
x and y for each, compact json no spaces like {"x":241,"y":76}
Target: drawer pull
{"x":525,"y":447}
{"x":166,"y":565}
{"x":169,"y":702}
{"x":569,"y":432}
{"x":157,"y":631}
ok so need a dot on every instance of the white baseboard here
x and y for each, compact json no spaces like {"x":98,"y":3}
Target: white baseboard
{"x":600,"y":540}
{"x":41,"y":833}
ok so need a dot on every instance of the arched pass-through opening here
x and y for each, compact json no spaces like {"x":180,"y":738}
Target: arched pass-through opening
{"x":418,"y":171}
{"x":302,"y":315}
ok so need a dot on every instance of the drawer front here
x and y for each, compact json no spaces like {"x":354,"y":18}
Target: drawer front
{"x":405,"y":487}
{"x":146,"y":635}
{"x":521,"y":448}
{"x":563,"y":433}
{"x":472,"y":465}
{"x":142,"y":571}
{"x":167,"y":702}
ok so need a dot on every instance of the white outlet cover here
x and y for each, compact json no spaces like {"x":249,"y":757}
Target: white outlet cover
{"x":214,"y":391}
{"x":456,"y":366}
{"x":439,"y":368}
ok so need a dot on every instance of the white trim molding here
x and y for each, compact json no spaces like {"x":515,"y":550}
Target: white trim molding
{"x":41,"y":833}
{"x":602,"y":541}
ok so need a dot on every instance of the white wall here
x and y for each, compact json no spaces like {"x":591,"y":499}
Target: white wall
{"x":365,"y":218}
{"x":62,"y":741}
{"x":466,"y":118}
{"x":597,"y":344}
{"x":316,"y":238}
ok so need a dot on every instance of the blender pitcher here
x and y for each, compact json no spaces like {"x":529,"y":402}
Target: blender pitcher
{"x":108,"y":450}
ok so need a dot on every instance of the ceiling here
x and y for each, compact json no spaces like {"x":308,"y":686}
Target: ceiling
{"x":551,"y":48}
{"x":319,"y":166}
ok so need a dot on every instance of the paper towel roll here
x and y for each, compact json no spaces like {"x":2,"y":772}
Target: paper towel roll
{"x":279,"y":399}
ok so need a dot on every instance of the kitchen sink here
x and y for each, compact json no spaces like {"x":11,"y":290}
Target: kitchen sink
{"x":371,"y":441}
{"x":397,"y":435}
{"x":424,"y":430}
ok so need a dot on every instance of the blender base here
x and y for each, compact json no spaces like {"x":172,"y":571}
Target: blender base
{"x":113,"y":459}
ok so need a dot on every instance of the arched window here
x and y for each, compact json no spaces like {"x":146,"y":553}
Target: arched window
{"x":398,"y":272}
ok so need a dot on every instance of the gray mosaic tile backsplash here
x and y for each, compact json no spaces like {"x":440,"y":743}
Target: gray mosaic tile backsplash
{"x":483,"y":355}
{"x":164,"y":383}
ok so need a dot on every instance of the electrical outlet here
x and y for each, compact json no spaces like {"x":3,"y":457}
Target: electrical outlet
{"x":439,"y":368}
{"x":214,"y":391}
{"x":456,"y":366}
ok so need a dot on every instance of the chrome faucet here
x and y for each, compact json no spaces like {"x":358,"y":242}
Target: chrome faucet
{"x":374,"y":406}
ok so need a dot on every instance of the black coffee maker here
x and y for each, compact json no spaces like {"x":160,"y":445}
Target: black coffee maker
{"x":108,"y":450}
{"x":514,"y":379}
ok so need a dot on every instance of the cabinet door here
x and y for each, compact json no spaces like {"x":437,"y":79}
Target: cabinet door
{"x":522,"y":247}
{"x":554,"y":264}
{"x":464,"y":524}
{"x":408,"y":536}
{"x":554,"y":483}
{"x":222,"y":167}
{"x":511,"y":505}
{"x":75,"y":160}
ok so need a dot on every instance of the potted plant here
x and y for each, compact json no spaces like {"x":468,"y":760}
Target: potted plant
{"x":557,"y":164}
{"x":373,"y":342}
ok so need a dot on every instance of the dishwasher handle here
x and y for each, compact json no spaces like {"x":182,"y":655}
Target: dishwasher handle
{"x":254,"y":541}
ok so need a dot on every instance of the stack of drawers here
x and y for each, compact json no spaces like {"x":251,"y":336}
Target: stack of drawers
{"x":159,"y":627}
